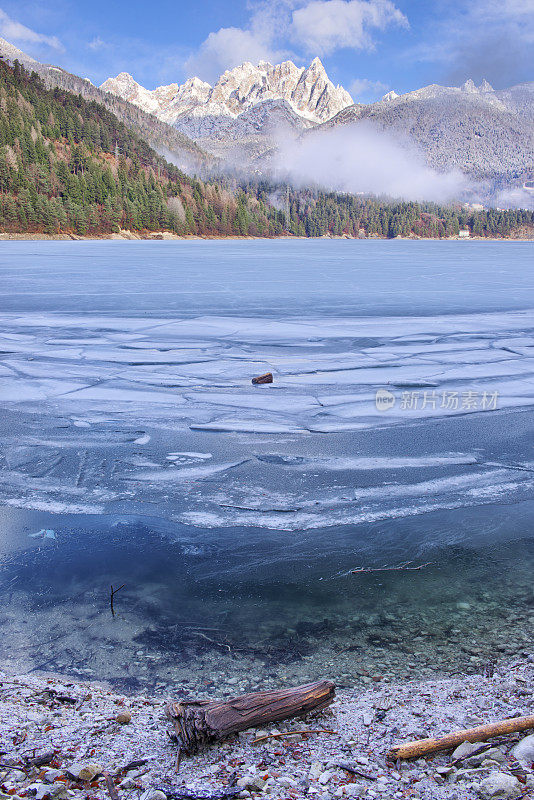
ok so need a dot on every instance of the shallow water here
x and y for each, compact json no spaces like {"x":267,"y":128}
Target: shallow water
{"x":135,"y":451}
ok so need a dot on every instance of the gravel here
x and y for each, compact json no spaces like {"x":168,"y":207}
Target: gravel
{"x":75,"y":729}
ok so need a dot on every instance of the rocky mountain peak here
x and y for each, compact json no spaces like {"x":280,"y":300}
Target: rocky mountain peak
{"x":486,"y":87}
{"x":317,"y":67}
{"x":309,"y":92}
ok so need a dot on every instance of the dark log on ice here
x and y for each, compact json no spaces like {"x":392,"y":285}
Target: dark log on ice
{"x":267,"y":378}
{"x":200,"y":722}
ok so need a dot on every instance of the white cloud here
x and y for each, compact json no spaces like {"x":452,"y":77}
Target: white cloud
{"x":323,"y":26}
{"x":317,"y":27}
{"x":227,"y":48}
{"x":362,"y":158}
{"x":97,"y":44}
{"x":491,"y":39}
{"x":12,"y":30}
{"x":364,"y":90}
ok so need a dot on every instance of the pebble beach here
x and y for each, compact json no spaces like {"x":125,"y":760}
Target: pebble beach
{"x":66,"y":739}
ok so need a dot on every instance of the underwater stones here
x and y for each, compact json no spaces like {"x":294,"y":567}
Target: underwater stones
{"x":124,"y":717}
{"x":500,"y":786}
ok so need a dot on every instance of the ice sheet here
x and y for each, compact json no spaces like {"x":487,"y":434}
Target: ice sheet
{"x":102,"y":412}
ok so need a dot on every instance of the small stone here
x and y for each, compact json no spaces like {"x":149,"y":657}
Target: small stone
{"x":124,"y":717}
{"x":464,"y":749}
{"x":44,"y":791}
{"x":315,"y":770}
{"x":462,"y":606}
{"x":153,"y":794}
{"x":524,"y":751}
{"x":354,"y":789}
{"x":84,"y":770}
{"x":287,"y":782}
{"x":367,"y":718}
{"x":129,"y":783}
{"x":494,"y":754}
{"x":51,"y":775}
{"x":324,"y":777}
{"x":500,"y":786}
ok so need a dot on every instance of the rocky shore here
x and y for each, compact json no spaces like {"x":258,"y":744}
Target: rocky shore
{"x":65,"y":739}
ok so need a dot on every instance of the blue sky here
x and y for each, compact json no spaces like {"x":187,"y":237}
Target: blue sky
{"x":369,"y":46}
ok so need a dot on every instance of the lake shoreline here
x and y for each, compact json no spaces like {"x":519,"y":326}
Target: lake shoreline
{"x":129,"y":236}
{"x":86,"y":724}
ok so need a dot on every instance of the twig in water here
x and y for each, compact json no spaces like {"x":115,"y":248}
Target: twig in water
{"x":404,"y":567}
{"x":112,"y":597}
{"x":203,"y":636}
{"x":288,"y":733}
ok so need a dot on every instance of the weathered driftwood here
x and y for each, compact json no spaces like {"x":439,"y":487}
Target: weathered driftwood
{"x":179,"y":794}
{"x":200,"y":722}
{"x":110,"y":785}
{"x":424,"y":747}
{"x":267,"y":378}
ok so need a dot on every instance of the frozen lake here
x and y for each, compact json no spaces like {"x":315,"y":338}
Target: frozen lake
{"x":134,"y":449}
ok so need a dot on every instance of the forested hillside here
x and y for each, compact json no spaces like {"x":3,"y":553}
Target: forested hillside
{"x":316,"y":213}
{"x":68,"y":165}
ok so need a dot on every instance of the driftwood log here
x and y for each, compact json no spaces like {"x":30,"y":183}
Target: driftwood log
{"x":200,"y":722}
{"x":425,"y":747}
{"x":267,"y":378}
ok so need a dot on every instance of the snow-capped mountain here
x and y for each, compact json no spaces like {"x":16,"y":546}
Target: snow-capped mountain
{"x":308,"y":91}
{"x":482,"y":132}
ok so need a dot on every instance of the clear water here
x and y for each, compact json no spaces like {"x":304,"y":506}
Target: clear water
{"x":233,"y":514}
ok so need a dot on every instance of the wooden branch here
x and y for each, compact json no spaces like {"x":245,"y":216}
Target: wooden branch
{"x":289,"y":733}
{"x":112,"y":597}
{"x":179,"y":794}
{"x":200,"y":722}
{"x":110,"y":785}
{"x":404,"y":567}
{"x":352,"y":770}
{"x":424,"y":747}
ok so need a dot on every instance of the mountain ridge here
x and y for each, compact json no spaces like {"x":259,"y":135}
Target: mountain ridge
{"x":164,"y":138}
{"x":309,"y":92}
{"x":483,"y":132}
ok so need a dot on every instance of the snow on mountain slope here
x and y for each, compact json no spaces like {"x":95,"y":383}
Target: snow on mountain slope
{"x":480,"y":131}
